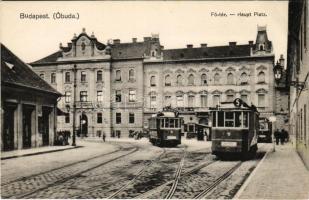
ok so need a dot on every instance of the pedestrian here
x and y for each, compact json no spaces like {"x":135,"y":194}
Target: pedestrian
{"x":277,"y":136}
{"x":286,"y":135}
{"x":104,"y":136}
{"x":282,"y":136}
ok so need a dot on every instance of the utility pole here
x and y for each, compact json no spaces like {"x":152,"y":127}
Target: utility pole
{"x":74,"y":108}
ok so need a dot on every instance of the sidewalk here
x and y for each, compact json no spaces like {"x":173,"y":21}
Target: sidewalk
{"x":34,"y":151}
{"x":281,"y":175}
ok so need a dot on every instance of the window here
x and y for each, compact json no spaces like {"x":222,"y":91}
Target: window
{"x":204,"y":79}
{"x":67,"y":97}
{"x":167,"y":100}
{"x":229,"y":97}
{"x":99,"y":76}
{"x":67,"y":118}
{"x":42,"y":76}
{"x":131,"y":75}
{"x":191,"y":79}
{"x":243,"y":78}
{"x":203,"y":100}
{"x":67,"y":77}
{"x":229,"y":119}
{"x":131,"y":118}
{"x":168,"y":80}
{"x":153,"y":101}
{"x":261,"y":47}
{"x":118,"y":75}
{"x":220,"y":118}
{"x":261,"y":100}
{"x":83,"y":46}
{"x":190,"y":101}
{"x":132,"y":95}
{"x":118,"y":95}
{"x":179,"y":101}
{"x":99,"y":96}
{"x":152,"y":81}
{"x":83,"y":96}
{"x":179,"y":80}
{"x":83,"y":76}
{"x":53,"y":78}
{"x":118,"y":118}
{"x":244,"y":97}
{"x":216,"y":79}
{"x":99,"y":118}
{"x":230,"y":79}
{"x":216,"y":100}
{"x":261,"y":77}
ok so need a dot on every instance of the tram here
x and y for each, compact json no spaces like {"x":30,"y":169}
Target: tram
{"x":265,"y":131}
{"x":165,"y":128}
{"x":199,"y":131}
{"x":235,"y":127}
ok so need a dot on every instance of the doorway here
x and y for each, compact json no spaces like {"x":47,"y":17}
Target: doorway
{"x":45,"y":125}
{"x":27,"y":125}
{"x":8,"y":126}
{"x":83,"y":124}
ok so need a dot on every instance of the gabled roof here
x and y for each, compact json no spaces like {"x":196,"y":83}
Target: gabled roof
{"x":15,"y":72}
{"x":207,"y":52}
{"x":130,"y":50}
{"x":49,"y":59}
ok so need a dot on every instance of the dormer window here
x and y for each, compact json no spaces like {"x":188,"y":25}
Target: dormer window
{"x":83,"y":46}
{"x":153,"y":53}
{"x":261,"y":47}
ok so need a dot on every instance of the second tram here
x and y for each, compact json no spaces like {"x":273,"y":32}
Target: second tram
{"x":265,"y":131}
{"x":234,"y":129}
{"x":165,"y":128}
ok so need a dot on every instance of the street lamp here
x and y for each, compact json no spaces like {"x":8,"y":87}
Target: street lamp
{"x":74,"y":108}
{"x":278,"y":71}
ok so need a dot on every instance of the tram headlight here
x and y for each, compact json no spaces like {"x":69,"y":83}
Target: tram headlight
{"x":228,"y":133}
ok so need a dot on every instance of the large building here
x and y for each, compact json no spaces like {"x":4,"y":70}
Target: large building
{"x":28,"y":105}
{"x":120,"y":85}
{"x":298,"y":76}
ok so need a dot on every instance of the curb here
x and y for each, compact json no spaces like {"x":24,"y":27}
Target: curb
{"x":38,"y":153}
{"x":247,"y":181}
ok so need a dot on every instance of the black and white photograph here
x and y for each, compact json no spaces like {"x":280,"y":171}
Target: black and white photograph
{"x":154,"y":99}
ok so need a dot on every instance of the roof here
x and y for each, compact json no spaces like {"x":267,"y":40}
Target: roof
{"x":14,"y":71}
{"x":207,"y":52}
{"x":51,"y":58}
{"x":130,"y":50}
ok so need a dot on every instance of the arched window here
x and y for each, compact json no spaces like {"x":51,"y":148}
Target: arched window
{"x":261,"y":77}
{"x":243,"y":78}
{"x":99,"y":76}
{"x":83,"y":76}
{"x":191,"y":79}
{"x":167,"y":80}
{"x":67,"y":77}
{"x":118,"y":75}
{"x":83,"y":46}
{"x":131,"y":74}
{"x":152,"y":81}
{"x":230,"y":78}
{"x":261,"y":47}
{"x":53,"y":78}
{"x":179,"y":80}
{"x":204,"y":79}
{"x":216,"y":79}
{"x":42,"y":76}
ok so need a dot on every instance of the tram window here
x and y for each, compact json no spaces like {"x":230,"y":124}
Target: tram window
{"x":167,"y":123}
{"x":229,"y":119}
{"x":245,"y":119}
{"x":238,"y":119}
{"x":191,"y":128}
{"x":172,"y":123}
{"x":220,"y":119}
{"x":214,"y":119}
{"x":177,"y":123}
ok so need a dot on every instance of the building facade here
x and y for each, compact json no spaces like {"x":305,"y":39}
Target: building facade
{"x":28,"y":106}
{"x":298,"y":73}
{"x":140,"y":78}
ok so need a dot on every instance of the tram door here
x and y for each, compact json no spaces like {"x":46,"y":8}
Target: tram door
{"x":27,"y":128}
{"x":8,"y":127}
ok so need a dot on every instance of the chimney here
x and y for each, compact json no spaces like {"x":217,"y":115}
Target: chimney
{"x":281,"y":61}
{"x":232,"y":44}
{"x":147,"y":39}
{"x":189,"y":46}
{"x":204,"y":45}
{"x":250,"y":42}
{"x":134,"y":40}
{"x":116,"y":41}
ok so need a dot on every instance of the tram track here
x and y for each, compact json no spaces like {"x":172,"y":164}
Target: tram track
{"x":75,"y":175}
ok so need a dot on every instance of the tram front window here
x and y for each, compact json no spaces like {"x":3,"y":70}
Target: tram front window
{"x":246,"y":119}
{"x":229,"y":119}
{"x":220,"y":119}
{"x":238,"y":119}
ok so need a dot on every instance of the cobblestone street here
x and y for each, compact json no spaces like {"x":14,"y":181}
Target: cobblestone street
{"x":125,"y":169}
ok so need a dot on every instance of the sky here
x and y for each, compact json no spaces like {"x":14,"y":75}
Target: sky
{"x":178,"y":23}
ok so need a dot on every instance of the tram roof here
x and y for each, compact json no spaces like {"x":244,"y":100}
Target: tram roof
{"x":231,"y":107}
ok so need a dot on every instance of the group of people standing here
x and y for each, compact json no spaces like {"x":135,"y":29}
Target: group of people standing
{"x":282,"y":136}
